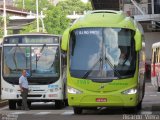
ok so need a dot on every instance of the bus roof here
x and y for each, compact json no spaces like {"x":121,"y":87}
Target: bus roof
{"x":104,"y":18}
{"x":29,"y":34}
{"x":155,"y":45}
{"x":101,"y":18}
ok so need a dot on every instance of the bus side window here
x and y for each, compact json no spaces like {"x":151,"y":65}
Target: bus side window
{"x":152,"y":56}
{"x":154,"y":59}
{"x":158,"y":55}
{"x":6,"y":69}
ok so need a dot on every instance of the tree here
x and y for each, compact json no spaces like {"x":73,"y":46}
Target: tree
{"x":74,"y":5}
{"x":1,"y":24}
{"x":30,"y":5}
{"x":55,"y":20}
{"x":32,"y":27}
{"x":29,"y":28}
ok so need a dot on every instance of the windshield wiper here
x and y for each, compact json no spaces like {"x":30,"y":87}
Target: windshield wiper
{"x":89,"y":71}
{"x":37,"y":59}
{"x":115,"y":70}
{"x":14,"y":56}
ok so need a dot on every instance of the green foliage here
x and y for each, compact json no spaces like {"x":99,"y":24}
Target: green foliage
{"x":55,"y":16}
{"x":30,"y":5}
{"x":74,"y":5}
{"x":1,"y":28}
{"x":28,"y":28}
{"x":55,"y":20}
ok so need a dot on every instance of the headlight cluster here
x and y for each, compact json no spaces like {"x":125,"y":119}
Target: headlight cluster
{"x":73,"y":90}
{"x":8,"y":90}
{"x":130,"y":91}
{"x":53,"y":90}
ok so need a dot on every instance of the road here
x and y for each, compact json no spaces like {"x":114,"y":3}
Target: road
{"x":46,"y":111}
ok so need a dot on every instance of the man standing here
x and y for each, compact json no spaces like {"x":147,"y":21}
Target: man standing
{"x":23,"y":83}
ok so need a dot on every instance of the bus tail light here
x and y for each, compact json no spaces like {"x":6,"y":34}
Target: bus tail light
{"x":73,"y":90}
{"x":130,"y":91}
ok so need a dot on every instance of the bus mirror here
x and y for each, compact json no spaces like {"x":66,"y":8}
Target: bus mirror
{"x":138,"y":40}
{"x":65,"y":39}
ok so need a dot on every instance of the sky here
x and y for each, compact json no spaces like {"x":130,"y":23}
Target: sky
{"x":84,"y":1}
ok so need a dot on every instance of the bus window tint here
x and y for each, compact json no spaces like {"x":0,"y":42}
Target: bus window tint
{"x":45,"y":61}
{"x":97,"y":52}
{"x":15,"y":60}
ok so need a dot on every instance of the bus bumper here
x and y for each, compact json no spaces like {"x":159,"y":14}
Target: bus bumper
{"x":99,"y":100}
{"x":7,"y":95}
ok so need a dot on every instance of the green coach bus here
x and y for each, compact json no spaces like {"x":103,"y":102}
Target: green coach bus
{"x":105,"y":62}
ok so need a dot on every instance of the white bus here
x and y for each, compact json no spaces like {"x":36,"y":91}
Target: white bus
{"x":0,"y":62}
{"x":155,"y":66}
{"x":40,"y":55}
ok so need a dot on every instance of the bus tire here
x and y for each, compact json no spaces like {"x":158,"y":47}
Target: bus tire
{"x":139,"y":106}
{"x":29,"y":104}
{"x":12,"y":104}
{"x":158,"y":89}
{"x":143,"y":91}
{"x":59,"y":104}
{"x":77,"y":110}
{"x":130,"y":110}
{"x":66,"y":102}
{"x":19,"y":103}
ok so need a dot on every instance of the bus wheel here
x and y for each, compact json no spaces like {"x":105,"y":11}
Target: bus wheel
{"x":19,"y":103}
{"x":66,"y":102}
{"x":59,"y":104}
{"x":139,"y":106}
{"x":29,"y":104}
{"x":77,"y":110}
{"x":158,"y":89}
{"x":12,"y":104}
{"x":130,"y":110}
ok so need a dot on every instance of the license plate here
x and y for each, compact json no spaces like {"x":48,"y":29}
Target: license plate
{"x":101,"y":100}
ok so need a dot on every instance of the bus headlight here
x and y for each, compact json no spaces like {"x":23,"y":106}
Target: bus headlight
{"x":73,"y":90}
{"x":130,"y":91}
{"x":54,"y":90}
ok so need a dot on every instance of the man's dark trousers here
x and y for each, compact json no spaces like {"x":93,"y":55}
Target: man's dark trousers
{"x":24,"y":99}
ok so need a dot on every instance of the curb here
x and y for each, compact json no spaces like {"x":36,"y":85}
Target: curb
{"x":3,"y":103}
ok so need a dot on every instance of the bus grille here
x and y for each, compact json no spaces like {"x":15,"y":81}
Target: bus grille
{"x":34,"y":95}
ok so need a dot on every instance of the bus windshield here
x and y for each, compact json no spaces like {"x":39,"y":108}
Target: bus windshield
{"x":42,"y":63}
{"x":102,"y":53}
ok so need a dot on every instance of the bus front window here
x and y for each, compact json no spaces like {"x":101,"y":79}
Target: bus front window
{"x":45,"y":61}
{"x":41,"y":62}
{"x":102,"y":53}
{"x":15,"y":60}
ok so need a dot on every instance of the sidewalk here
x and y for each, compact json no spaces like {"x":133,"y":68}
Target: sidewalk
{"x":3,"y":103}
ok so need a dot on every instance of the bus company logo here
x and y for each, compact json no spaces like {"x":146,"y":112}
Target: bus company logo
{"x":102,"y":86}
